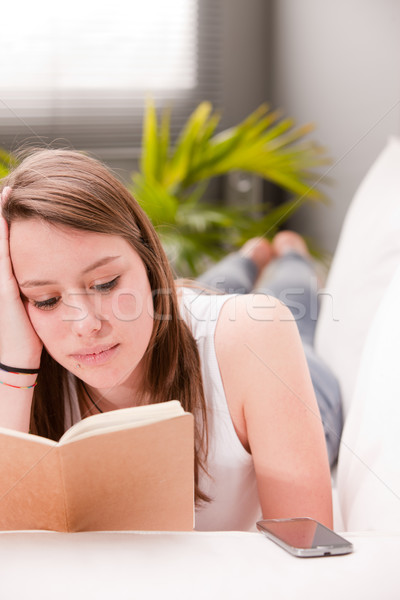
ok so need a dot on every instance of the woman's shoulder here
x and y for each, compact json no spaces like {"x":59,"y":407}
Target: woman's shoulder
{"x":246,"y":314}
{"x":233,"y":315}
{"x":255,"y":335}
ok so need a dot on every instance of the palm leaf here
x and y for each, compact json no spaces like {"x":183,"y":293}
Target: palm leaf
{"x":164,"y":144}
{"x":155,"y":200}
{"x":181,"y":158}
{"x":173,"y":179}
{"x":149,"y":164}
{"x":7,"y":161}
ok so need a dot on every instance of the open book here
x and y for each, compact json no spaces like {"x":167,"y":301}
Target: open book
{"x":129,"y":469}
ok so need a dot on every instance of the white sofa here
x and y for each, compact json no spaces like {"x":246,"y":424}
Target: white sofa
{"x":358,"y":334}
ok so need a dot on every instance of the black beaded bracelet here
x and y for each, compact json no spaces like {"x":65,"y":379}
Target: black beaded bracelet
{"x":18,"y":371}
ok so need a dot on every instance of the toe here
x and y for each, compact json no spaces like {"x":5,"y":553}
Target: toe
{"x":289,"y":241}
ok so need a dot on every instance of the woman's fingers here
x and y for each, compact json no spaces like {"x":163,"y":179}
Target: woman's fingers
{"x":19,"y":343}
{"x":5,"y":194}
{"x":6,"y":272}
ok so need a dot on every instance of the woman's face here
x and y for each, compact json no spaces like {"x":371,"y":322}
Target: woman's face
{"x":88,"y":298}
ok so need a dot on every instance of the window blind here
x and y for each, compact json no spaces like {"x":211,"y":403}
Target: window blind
{"x":79,"y":74}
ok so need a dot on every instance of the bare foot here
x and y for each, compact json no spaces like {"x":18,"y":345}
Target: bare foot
{"x":259,"y":250}
{"x":289,"y":241}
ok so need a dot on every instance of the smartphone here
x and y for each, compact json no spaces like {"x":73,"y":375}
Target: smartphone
{"x":304,"y":537}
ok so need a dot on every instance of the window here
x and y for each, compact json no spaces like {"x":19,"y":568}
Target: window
{"x":80,"y":72}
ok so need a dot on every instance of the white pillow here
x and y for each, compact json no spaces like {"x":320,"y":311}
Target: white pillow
{"x":365,"y":260}
{"x":368,"y":477}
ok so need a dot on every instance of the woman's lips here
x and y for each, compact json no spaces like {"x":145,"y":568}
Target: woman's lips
{"x":95,"y":356}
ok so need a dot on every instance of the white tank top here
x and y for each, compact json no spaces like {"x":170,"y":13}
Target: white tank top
{"x":232,"y":483}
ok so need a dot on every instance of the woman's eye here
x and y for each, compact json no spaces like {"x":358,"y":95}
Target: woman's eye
{"x":46,"y":304}
{"x":106,"y":287}
{"x":50,"y":303}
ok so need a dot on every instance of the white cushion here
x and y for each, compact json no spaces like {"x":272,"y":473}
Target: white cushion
{"x":368,"y":476}
{"x":186,"y":565}
{"x":366,"y":258}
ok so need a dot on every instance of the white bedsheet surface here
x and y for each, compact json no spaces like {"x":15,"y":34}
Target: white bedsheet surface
{"x":198,"y":565}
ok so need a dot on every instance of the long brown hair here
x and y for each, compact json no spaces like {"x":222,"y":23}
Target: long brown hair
{"x":69,"y":188}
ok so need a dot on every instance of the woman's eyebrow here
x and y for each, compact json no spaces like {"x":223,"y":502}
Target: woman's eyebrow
{"x":100,"y":263}
{"x":38,"y":282}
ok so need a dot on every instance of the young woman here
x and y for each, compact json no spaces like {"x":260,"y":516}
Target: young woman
{"x":89,"y":307}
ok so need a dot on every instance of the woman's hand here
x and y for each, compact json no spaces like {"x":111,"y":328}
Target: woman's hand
{"x":19,"y":344}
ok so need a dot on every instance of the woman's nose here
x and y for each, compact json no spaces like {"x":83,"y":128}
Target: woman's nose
{"x":83,"y":314}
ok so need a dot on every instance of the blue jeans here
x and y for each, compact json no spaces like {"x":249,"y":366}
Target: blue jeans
{"x":292,"y":279}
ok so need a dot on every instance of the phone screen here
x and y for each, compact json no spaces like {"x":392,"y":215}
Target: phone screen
{"x":304,"y":533}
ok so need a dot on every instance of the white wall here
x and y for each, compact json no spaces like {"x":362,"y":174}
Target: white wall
{"x":337,"y":63}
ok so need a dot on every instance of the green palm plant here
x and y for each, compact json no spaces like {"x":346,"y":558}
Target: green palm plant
{"x":171,"y":181}
{"x":6,"y":162}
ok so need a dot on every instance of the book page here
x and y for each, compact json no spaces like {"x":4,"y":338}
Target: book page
{"x":122,"y":418}
{"x":38,"y":439}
